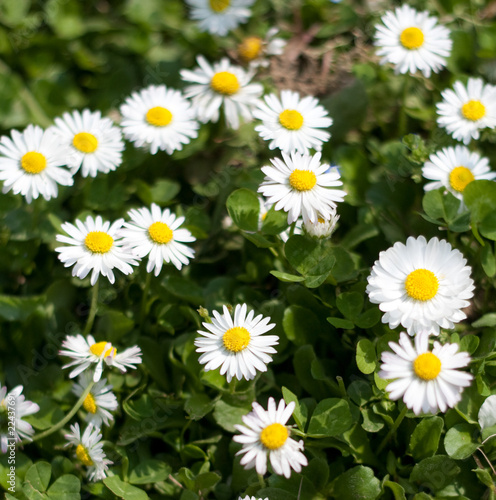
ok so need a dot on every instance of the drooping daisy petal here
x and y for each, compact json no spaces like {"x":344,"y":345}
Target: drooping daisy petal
{"x":487,"y":413}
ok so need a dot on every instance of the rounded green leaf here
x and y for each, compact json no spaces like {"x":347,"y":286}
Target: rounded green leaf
{"x":243,"y":207}
{"x":424,"y":440}
{"x":459,"y":441}
{"x":366,"y":357}
{"x":358,"y":482}
{"x":331,"y":417}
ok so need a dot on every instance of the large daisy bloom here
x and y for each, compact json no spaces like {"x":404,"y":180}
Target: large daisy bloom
{"x":467,"y":109}
{"x":159,"y":235}
{"x":426,"y":380}
{"x":32,"y":163}
{"x":301,"y":185}
{"x":99,"y":402}
{"x":222,"y":85}
{"x":412,"y":41}
{"x":238,"y":346}
{"x":95,"y":143}
{"x":86,"y":352}
{"x":487,"y":413}
{"x":13,"y":408}
{"x":159,"y":118}
{"x":94,"y":245}
{"x":89,"y":450}
{"x":265,"y":433}
{"x":254,"y":50}
{"x":218,"y":17}
{"x":292,"y":123}
{"x":421,"y":285}
{"x":454,"y":169}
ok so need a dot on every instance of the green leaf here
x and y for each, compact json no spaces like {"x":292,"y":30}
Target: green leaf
{"x":114,"y":324}
{"x":150,"y":471}
{"x":469,"y":343}
{"x":38,"y":475}
{"x":366,"y":357}
{"x":287,"y":277}
{"x":243,"y":207}
{"x":369,"y":318}
{"x":66,"y":487}
{"x":435,"y":472}
{"x":424,"y":440}
{"x":360,"y":392}
{"x":275,"y":222}
{"x":162,"y":191}
{"x":488,"y":226}
{"x":309,"y":257}
{"x":480,"y":198}
{"x":124,"y":490}
{"x":300,"y":324}
{"x":198,"y":405}
{"x":459,"y":441}
{"x":350,"y":304}
{"x":300,"y":414}
{"x":488,"y":319}
{"x":227,"y":415}
{"x":485,"y":477}
{"x":397,"y":489}
{"x":207,"y":480}
{"x":432,"y":203}
{"x":358,"y":234}
{"x":330,"y":418}
{"x":345,"y":324}
{"x":19,"y":308}
{"x":488,"y":261}
{"x":358,"y":482}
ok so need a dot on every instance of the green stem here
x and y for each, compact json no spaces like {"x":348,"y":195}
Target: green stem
{"x":393,"y":429}
{"x":93,"y":308}
{"x":261,"y":480}
{"x":144,"y":299}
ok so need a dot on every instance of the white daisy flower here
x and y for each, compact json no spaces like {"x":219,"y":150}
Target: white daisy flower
{"x":239,"y":347}
{"x":265,"y":433}
{"x":95,"y":143}
{"x":487,"y":413}
{"x":88,"y":352}
{"x":221,"y":85}
{"x":159,"y":118}
{"x":301,"y":185}
{"x":455,"y":168}
{"x":255,"y":50}
{"x":412,"y":41}
{"x":322,"y":228}
{"x":218,"y":17}
{"x":94,"y":246}
{"x":466,"y":110}
{"x":99,"y":402}
{"x":159,"y":235}
{"x":292,"y":123}
{"x":31,"y":163}
{"x":89,"y":451}
{"x":421,"y":285}
{"x":13,"y":408}
{"x":426,"y":380}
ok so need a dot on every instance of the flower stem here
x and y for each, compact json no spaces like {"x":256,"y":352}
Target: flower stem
{"x":261,"y":480}
{"x":393,"y":429}
{"x":93,"y":308}
{"x":144,"y":299}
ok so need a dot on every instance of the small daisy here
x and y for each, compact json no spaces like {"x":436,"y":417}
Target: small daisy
{"x":412,"y":41}
{"x":455,"y":168}
{"x":265,"y":433}
{"x":94,"y":245}
{"x":31,"y":163}
{"x":426,"y":380}
{"x":421,"y":285}
{"x":487,"y":413}
{"x":301,"y":185}
{"x":159,"y":118}
{"x":322,"y":228}
{"x":13,"y":408}
{"x":89,"y":451}
{"x":88,"y":352}
{"x":218,"y":17}
{"x":222,"y":85}
{"x":466,"y":110}
{"x":238,"y":346}
{"x":247,"y":497}
{"x":158,"y":234}
{"x":292,"y":123}
{"x":99,"y":402}
{"x":254,"y":50}
{"x":95,"y":143}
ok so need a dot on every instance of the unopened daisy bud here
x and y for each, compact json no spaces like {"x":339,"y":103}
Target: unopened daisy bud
{"x":322,"y":228}
{"x":204,"y":314}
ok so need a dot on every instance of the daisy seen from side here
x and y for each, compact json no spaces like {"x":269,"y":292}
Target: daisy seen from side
{"x":237,"y":345}
{"x":421,"y":285}
{"x":265,"y":435}
{"x":256,"y":51}
{"x":426,"y":380}
{"x":322,"y":228}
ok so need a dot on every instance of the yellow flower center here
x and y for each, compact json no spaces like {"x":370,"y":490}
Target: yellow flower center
{"x":412,"y":38}
{"x":98,"y":242}
{"x":320,"y":220}
{"x":225,"y":83}
{"x":291,"y":119}
{"x":460,"y":177}
{"x":274,"y":436}
{"x":427,"y":366}
{"x":33,"y":162}
{"x":82,"y":454}
{"x":236,"y":339}
{"x":219,"y":5}
{"x":89,"y":403}
{"x":85,"y":142}
{"x":158,"y":116}
{"x":302,"y":180}
{"x":160,"y":233}
{"x":473,"y":110}
{"x":421,"y":284}
{"x":98,"y":348}
{"x":250,"y":48}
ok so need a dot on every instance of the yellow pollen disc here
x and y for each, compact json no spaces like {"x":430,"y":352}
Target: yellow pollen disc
{"x":460,"y":177}
{"x":98,"y":242}
{"x":98,"y":348}
{"x":225,"y":83}
{"x":236,"y":339}
{"x":85,"y":142}
{"x":274,"y":436}
{"x":421,"y":284}
{"x":160,"y":232}
{"x":412,"y":38}
{"x":250,"y":48}
{"x":219,"y":5}
{"x":427,"y":366}
{"x":82,"y":454}
{"x":302,"y":180}
{"x":320,"y":220}
{"x":158,"y":116}
{"x":33,"y":162}
{"x":291,"y":119}
{"x":473,"y":110}
{"x":89,"y":404}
